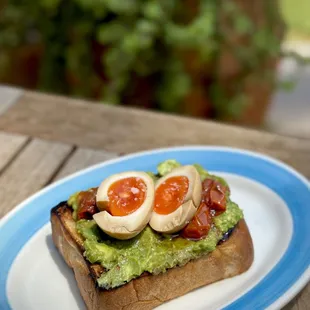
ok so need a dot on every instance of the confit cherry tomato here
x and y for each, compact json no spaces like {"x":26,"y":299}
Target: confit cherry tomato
{"x":86,"y":201}
{"x":200,"y":225}
{"x":213,"y":203}
{"x":214,"y":195}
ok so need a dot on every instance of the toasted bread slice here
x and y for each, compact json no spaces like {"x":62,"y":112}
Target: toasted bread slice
{"x":232,"y":257}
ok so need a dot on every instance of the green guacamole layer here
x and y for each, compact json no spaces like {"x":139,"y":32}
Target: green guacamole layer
{"x":150,"y":252}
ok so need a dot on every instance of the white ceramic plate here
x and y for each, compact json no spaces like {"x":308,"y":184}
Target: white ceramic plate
{"x":275,"y":202}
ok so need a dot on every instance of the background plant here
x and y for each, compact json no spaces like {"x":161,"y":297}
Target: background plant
{"x":100,"y":48}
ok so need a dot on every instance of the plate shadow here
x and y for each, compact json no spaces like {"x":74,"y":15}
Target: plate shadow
{"x":66,"y":271}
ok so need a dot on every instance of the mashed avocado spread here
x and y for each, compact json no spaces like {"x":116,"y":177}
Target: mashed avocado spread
{"x":149,"y":251}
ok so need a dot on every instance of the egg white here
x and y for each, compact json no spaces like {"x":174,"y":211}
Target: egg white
{"x":177,"y":220}
{"x":128,"y":226}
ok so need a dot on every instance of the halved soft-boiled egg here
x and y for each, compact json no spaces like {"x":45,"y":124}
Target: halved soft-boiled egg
{"x":126,"y":202}
{"x":177,"y":197}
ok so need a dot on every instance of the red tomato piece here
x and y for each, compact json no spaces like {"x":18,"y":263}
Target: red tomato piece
{"x":200,"y":225}
{"x":87,"y":204}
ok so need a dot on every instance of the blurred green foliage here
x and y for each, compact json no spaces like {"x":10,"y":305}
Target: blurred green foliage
{"x":297,"y":16}
{"x":134,"y":38}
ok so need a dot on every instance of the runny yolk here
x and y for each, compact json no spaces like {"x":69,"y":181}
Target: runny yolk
{"x":170,"y":194}
{"x":126,"y":196}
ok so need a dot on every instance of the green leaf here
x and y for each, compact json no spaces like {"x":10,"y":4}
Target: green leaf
{"x":111,"y":32}
{"x":83,"y":28}
{"x":127,"y":7}
{"x":193,"y":35}
{"x":243,"y":24}
{"x":114,"y":88}
{"x":50,"y":5}
{"x":110,"y":97}
{"x":146,"y":27}
{"x":174,"y":87}
{"x":228,"y":106}
{"x":287,"y":85}
{"x":117,"y":61}
{"x":152,"y":10}
{"x":230,"y":7}
{"x":98,"y":7}
{"x":131,"y":43}
{"x":236,"y":105}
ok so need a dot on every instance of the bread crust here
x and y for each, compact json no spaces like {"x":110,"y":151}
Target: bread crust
{"x":230,"y":258}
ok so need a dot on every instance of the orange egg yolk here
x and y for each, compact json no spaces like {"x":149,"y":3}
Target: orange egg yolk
{"x":126,"y":196}
{"x":170,"y":194}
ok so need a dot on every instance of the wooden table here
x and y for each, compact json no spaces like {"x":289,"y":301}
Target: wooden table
{"x":43,"y":138}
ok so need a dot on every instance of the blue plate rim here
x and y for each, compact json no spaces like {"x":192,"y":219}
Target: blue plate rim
{"x":281,"y":300}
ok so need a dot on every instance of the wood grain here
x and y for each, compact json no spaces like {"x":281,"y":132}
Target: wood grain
{"x":10,"y":145}
{"x":83,"y":158}
{"x":122,"y":130}
{"x":8,"y":96}
{"x":30,"y":171}
{"x":301,"y":301}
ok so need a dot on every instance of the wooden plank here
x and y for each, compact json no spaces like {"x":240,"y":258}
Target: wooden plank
{"x":31,"y":170}
{"x":301,"y":301}
{"x":121,"y":130}
{"x":8,"y":96}
{"x":10,"y":144}
{"x":83,"y":158}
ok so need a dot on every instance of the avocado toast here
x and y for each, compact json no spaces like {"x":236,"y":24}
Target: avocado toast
{"x":152,"y":267}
